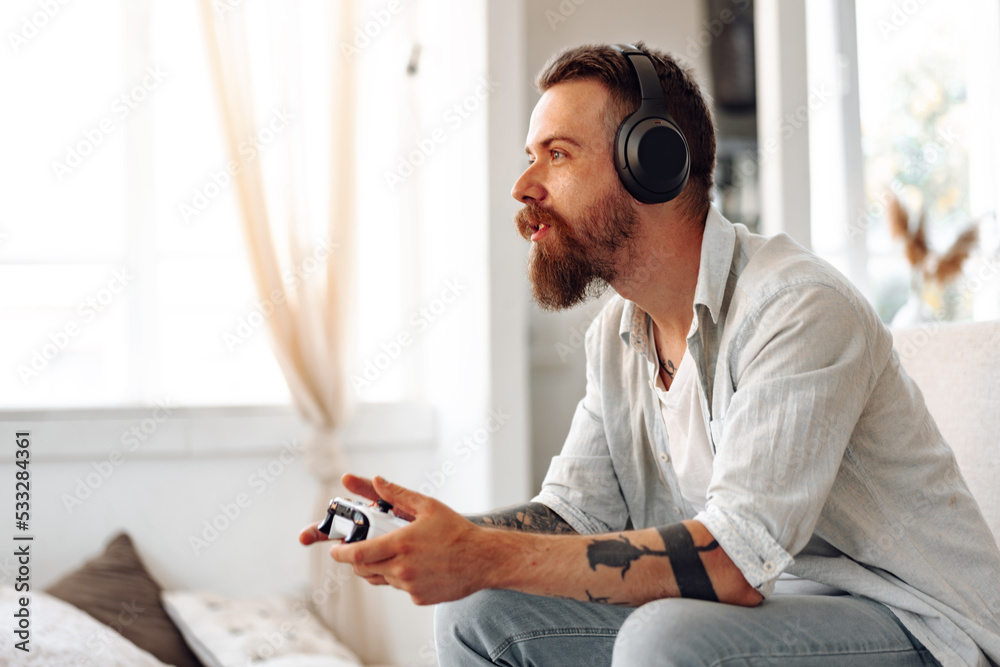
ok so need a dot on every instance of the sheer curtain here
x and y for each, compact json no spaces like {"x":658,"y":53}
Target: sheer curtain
{"x":267,"y":61}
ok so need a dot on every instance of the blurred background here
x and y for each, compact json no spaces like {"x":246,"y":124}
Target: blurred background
{"x":232,"y":228}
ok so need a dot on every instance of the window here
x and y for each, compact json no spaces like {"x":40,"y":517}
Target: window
{"x":115,"y":296}
{"x":121,"y":249}
{"x":928,"y":94}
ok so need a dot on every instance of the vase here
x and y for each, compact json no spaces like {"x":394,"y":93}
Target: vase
{"x":915,"y":311}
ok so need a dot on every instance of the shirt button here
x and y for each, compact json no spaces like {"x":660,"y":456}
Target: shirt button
{"x":769,"y":567}
{"x":664,"y":458}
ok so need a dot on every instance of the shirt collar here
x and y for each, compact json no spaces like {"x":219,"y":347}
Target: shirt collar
{"x":717,"y":246}
{"x":634,"y":329}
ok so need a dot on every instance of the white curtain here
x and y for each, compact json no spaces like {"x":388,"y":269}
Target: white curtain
{"x":302,"y":269}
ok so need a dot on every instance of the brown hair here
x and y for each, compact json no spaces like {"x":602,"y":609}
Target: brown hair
{"x":682,"y":95}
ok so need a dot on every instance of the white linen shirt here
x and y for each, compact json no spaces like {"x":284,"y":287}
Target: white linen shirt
{"x":827,"y":464}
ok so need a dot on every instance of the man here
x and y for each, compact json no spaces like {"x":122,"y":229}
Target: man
{"x":750,"y":476}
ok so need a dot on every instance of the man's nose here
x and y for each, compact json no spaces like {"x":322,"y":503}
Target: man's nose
{"x":528,"y":186}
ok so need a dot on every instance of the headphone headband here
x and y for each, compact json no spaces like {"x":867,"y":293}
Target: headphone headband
{"x":649,"y":81}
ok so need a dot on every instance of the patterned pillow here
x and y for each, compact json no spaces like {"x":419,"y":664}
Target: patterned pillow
{"x":268,"y":631}
{"x":63,"y":635}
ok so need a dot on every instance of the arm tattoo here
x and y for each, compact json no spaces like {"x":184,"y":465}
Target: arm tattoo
{"x":689,"y":572}
{"x":604,"y":600}
{"x":619,"y":552}
{"x":532,"y":518}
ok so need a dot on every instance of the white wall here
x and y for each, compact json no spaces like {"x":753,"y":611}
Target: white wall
{"x":557,"y":357}
{"x":510,"y":462}
{"x":213,"y":499}
{"x":473,"y":369}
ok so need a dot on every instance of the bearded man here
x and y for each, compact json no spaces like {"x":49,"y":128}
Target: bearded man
{"x":750,"y":477}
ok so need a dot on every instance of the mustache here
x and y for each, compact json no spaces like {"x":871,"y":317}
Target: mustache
{"x":532,"y":215}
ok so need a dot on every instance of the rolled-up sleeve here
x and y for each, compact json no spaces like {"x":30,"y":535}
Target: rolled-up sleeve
{"x":581,"y":485}
{"x":802,"y":372}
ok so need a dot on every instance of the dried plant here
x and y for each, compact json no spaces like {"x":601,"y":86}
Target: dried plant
{"x":939,"y":267}
{"x":950,"y":263}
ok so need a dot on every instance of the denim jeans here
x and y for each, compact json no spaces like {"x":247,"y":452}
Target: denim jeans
{"x":509,"y":628}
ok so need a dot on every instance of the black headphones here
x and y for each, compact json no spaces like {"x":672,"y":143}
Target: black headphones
{"x":651,"y":153}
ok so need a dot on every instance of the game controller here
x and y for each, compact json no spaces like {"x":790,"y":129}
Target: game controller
{"x":356,"y":521}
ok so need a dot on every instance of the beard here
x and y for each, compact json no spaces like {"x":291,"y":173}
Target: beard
{"x":571,"y":266}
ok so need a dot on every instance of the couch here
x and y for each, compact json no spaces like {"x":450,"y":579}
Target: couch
{"x":957,"y":368}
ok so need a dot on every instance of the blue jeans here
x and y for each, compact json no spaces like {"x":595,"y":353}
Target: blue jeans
{"x":508,"y":628}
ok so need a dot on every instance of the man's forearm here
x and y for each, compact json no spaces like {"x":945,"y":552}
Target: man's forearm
{"x":627,"y":569}
{"x":533,"y":517}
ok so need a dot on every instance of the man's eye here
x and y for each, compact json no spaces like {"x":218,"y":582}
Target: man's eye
{"x":556,"y":154}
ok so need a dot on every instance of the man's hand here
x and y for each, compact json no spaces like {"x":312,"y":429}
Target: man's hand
{"x":442,"y":556}
{"x":434,"y":559}
{"x":359,"y":486}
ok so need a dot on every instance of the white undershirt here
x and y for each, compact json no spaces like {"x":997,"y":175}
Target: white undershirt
{"x":688,"y":444}
{"x":691,"y":454}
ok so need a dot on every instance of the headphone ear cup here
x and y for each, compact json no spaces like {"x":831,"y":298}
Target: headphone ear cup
{"x":651,"y":152}
{"x":652,"y":157}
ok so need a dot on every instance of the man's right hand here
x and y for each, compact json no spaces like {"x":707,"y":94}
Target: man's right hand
{"x":359,"y":486}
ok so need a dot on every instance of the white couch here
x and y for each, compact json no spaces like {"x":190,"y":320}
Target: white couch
{"x":957,"y":367}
